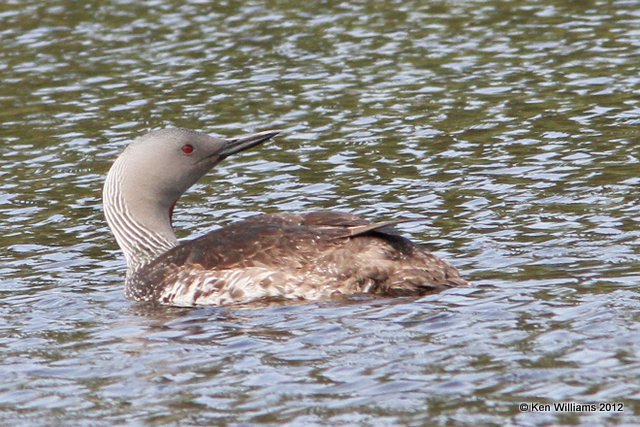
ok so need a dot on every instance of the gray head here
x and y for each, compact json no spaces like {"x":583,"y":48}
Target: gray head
{"x":161,"y":165}
{"x":152,"y":173}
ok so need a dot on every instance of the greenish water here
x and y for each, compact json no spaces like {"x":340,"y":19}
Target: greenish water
{"x":513,"y":127}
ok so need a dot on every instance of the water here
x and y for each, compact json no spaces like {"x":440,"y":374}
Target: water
{"x":512,"y":127}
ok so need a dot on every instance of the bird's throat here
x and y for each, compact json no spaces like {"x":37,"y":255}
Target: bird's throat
{"x":171,"y":208}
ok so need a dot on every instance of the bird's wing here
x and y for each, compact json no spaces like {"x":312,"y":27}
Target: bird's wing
{"x":273,"y":239}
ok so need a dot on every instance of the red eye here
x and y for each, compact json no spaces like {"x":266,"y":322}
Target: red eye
{"x":187,"y":149}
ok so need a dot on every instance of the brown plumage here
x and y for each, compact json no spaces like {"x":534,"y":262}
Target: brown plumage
{"x":310,"y":256}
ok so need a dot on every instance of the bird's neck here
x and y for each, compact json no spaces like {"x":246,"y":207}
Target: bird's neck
{"x":141,"y":225}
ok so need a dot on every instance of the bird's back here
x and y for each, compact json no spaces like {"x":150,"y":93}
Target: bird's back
{"x":310,"y":256}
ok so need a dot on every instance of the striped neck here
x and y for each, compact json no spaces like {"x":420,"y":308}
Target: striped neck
{"x":141,"y":226}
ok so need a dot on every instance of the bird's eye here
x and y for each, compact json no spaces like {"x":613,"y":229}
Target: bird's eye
{"x":187,"y":149}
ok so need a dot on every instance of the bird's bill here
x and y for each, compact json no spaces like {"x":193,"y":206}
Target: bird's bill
{"x":242,"y":143}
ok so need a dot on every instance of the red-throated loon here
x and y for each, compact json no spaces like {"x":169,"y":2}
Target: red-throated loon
{"x":290,"y":256}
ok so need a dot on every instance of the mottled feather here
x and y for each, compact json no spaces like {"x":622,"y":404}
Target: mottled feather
{"x":308,"y":256}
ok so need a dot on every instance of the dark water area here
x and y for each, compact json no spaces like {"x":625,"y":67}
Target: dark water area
{"x":511,"y":127}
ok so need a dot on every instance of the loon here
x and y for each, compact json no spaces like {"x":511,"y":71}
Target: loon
{"x":306,"y":256}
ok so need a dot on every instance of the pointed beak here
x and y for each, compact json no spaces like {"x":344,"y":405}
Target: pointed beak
{"x":236,"y":145}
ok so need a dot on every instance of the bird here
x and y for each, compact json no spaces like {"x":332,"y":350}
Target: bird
{"x":282,"y":256}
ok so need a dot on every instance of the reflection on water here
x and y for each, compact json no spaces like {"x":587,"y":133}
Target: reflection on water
{"x":512,"y":127}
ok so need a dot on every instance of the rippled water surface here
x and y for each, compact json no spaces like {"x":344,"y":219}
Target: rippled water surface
{"x":513,"y":127}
